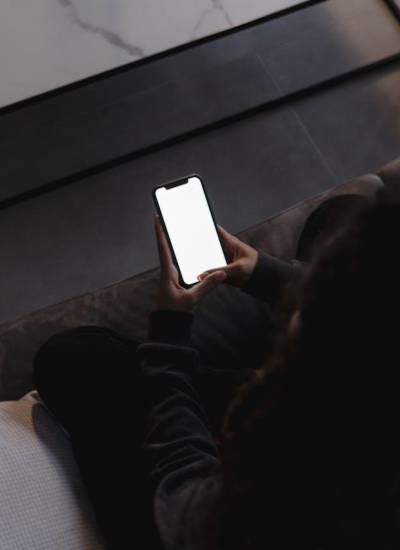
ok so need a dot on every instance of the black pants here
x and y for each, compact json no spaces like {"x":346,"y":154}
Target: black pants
{"x":86,"y":376}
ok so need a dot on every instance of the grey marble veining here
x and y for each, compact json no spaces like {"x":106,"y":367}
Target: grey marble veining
{"x":216,"y":8}
{"x":49,"y":43}
{"x":110,"y":36}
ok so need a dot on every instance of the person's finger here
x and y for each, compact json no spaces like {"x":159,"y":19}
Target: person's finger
{"x":229,"y":269}
{"x":227,"y":237}
{"x":230,"y":243}
{"x":164,"y":251}
{"x":211,"y":282}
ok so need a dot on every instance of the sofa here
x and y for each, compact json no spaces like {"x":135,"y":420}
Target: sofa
{"x":43,"y":502}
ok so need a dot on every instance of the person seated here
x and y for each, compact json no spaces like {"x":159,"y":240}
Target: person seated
{"x":307,"y":456}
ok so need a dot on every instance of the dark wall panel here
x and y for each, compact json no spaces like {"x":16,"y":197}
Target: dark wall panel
{"x":100,"y":230}
{"x":357,"y":125}
{"x":331,"y":39}
{"x":51,"y":144}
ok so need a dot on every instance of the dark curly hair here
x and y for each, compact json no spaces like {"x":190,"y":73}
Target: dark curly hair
{"x":309,"y":454}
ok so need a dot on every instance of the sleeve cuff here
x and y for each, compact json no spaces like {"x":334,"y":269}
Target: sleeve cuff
{"x":170,"y":327}
{"x":268,"y":278}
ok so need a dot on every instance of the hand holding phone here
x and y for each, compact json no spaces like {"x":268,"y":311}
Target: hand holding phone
{"x":190,"y":228}
{"x":173,"y":296}
{"x":242,"y":260}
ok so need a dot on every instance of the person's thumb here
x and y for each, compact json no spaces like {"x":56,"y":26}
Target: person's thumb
{"x":209,"y":283}
{"x":229,"y":270}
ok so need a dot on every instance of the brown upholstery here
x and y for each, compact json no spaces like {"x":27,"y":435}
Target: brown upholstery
{"x":124,"y":306}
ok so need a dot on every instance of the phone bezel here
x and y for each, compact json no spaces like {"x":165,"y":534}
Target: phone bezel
{"x":177,"y":183}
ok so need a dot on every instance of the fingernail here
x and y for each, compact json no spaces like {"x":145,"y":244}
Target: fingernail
{"x":202,"y":276}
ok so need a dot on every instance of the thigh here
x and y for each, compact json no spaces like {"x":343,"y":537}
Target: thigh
{"x":87,"y":377}
{"x":84,"y":372}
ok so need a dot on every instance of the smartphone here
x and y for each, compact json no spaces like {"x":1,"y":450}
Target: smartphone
{"x":190,"y":227}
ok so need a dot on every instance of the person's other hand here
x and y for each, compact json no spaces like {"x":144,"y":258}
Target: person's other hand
{"x":172,"y":295}
{"x":242,"y":260}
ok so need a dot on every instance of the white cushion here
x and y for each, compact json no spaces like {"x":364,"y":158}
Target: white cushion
{"x":43,"y":504}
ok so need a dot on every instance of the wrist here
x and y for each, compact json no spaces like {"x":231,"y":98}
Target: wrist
{"x":249,"y":267}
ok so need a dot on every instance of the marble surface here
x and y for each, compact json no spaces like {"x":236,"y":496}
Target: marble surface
{"x":49,"y":43}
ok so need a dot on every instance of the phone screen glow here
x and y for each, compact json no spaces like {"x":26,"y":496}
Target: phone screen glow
{"x":191,"y":229}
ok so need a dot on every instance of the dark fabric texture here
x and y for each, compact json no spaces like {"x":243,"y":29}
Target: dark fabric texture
{"x":126,"y":305}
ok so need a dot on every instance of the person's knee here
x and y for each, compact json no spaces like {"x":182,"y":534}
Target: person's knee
{"x":63,"y":353}
{"x":77,"y":359}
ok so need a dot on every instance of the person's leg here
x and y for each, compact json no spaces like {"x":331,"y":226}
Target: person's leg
{"x":86,"y":377}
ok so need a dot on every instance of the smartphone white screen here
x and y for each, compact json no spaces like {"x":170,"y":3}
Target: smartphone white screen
{"x":191,"y":229}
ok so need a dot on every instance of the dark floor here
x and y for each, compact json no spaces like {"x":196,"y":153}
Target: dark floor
{"x":270,"y":114}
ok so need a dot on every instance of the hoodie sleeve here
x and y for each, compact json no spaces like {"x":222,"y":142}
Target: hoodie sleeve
{"x":270,"y":277}
{"x":179,"y":448}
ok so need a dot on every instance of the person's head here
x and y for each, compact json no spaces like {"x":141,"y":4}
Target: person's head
{"x":310,"y":454}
